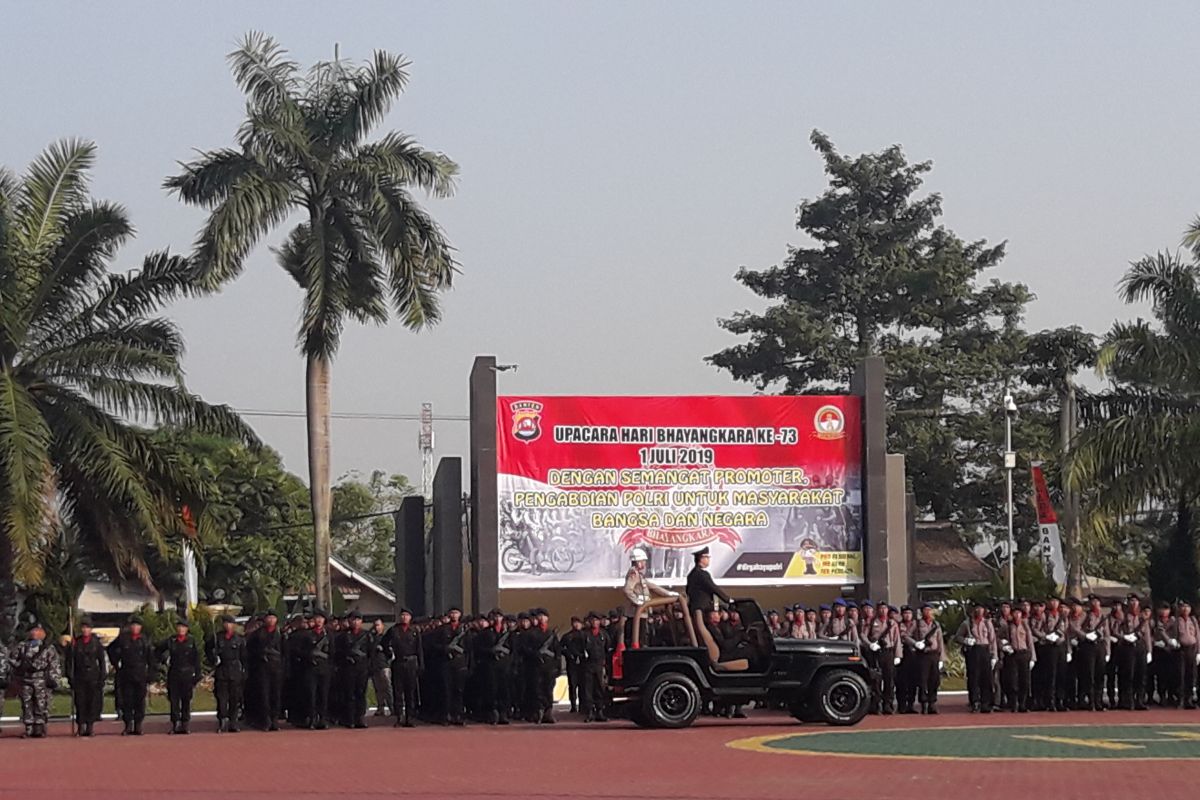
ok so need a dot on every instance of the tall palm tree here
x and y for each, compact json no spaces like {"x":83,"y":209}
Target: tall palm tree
{"x":1142,"y":434}
{"x":82,"y":361}
{"x":365,"y":248}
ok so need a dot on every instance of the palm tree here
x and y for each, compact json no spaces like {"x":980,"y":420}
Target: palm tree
{"x":81,"y":362}
{"x":1141,"y":436}
{"x":364,"y":250}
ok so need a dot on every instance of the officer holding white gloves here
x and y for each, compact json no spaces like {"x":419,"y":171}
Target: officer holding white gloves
{"x":881,"y":639}
{"x":977,"y":637}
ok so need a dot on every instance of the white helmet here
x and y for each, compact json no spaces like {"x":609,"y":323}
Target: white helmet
{"x":638,"y":554}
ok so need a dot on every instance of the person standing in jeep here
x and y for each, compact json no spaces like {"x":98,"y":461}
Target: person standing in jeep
{"x":702,"y":591}
{"x":638,"y":589}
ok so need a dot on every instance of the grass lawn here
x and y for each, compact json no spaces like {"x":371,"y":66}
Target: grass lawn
{"x":60,"y":706}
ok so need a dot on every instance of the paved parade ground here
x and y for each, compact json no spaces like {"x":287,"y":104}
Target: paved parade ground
{"x":767,"y":757}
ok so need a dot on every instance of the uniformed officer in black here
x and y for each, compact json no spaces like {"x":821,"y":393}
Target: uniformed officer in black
{"x":403,"y":644}
{"x":572,"y":646}
{"x":492,"y":648}
{"x":265,"y":649}
{"x":86,"y":668}
{"x":543,"y":651}
{"x":315,"y":646}
{"x":702,"y":591}
{"x":227,"y":653}
{"x":595,"y":645}
{"x":132,"y":656}
{"x":354,"y":660}
{"x":182,"y":658}
{"x":451,"y":648}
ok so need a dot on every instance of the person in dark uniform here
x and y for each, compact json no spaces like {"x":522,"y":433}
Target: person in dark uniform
{"x":294,"y":694}
{"x":226,"y":651}
{"x":182,"y":658}
{"x":132,"y":656}
{"x":927,"y":642}
{"x":265,"y":650}
{"x":403,"y":643}
{"x":572,"y":645}
{"x":906,"y":673}
{"x":545,"y":656}
{"x":86,"y":668}
{"x":316,"y":653}
{"x":702,"y":591}
{"x":595,"y":648}
{"x":451,"y":649}
{"x":354,"y":663}
{"x":493,"y":662}
{"x":381,"y":669}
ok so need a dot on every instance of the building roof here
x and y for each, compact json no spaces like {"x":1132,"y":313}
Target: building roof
{"x":349,"y":582}
{"x":942,"y":558}
{"x":102,"y":597}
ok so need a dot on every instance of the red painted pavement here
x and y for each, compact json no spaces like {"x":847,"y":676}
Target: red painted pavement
{"x":566,"y":760}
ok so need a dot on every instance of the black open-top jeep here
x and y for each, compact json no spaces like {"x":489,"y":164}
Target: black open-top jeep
{"x":666,"y":687}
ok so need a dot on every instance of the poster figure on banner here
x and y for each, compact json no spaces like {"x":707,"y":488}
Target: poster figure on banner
{"x":772,"y":485}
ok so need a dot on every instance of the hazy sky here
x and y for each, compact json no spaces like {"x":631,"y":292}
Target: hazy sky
{"x":621,"y":160}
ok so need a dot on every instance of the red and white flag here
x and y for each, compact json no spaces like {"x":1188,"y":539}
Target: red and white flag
{"x":1049,"y":546}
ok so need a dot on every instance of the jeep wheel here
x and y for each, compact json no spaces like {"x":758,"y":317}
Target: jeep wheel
{"x":840,"y":697}
{"x":671,"y":700}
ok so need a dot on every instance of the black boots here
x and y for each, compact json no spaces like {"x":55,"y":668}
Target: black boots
{"x":128,"y":730}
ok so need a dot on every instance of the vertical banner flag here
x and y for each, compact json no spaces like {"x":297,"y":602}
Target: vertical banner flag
{"x":1049,"y":547}
{"x":772,"y":485}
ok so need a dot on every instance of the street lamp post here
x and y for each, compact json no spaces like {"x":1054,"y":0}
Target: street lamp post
{"x":1010,"y":463}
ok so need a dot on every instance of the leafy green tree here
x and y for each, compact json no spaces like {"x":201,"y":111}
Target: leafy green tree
{"x":882,"y":277}
{"x":1142,"y":433}
{"x":260,"y":542}
{"x":82,"y":358}
{"x":1051,"y":361}
{"x":362,"y":537}
{"x":365,"y":250}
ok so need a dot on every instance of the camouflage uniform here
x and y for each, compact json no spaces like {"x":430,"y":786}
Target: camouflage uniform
{"x":35,"y":664}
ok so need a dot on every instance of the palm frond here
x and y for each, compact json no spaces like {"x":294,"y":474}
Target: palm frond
{"x":397,"y":159}
{"x":374,"y":88}
{"x":26,"y":496}
{"x":263,"y":70}
{"x":254,"y":206}
{"x":55,"y":182}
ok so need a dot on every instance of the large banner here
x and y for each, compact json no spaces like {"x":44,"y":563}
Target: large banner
{"x":772,"y":485}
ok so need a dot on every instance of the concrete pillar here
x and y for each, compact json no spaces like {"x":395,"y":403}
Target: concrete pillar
{"x":410,"y":556}
{"x":868,"y":383}
{"x":485,"y":560}
{"x":447,"y":536}
{"x":898,"y":533}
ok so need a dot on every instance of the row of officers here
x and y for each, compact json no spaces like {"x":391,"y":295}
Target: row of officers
{"x":1041,"y":655}
{"x":313,"y":671}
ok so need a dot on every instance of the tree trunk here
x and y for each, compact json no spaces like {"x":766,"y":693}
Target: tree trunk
{"x":317,"y":383}
{"x":8,"y":590}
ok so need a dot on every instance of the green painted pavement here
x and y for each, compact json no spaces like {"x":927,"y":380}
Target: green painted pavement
{"x":1061,"y":742}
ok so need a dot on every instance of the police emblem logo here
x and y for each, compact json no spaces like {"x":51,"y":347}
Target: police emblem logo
{"x":526,"y":419}
{"x":829,"y":422}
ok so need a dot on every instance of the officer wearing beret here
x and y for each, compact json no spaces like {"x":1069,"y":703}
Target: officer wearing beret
{"x":182,"y":658}
{"x":403,"y":643}
{"x":226,"y":651}
{"x":86,"y":669}
{"x":132,"y":655}
{"x":265,"y":650}
{"x":352,"y":649}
